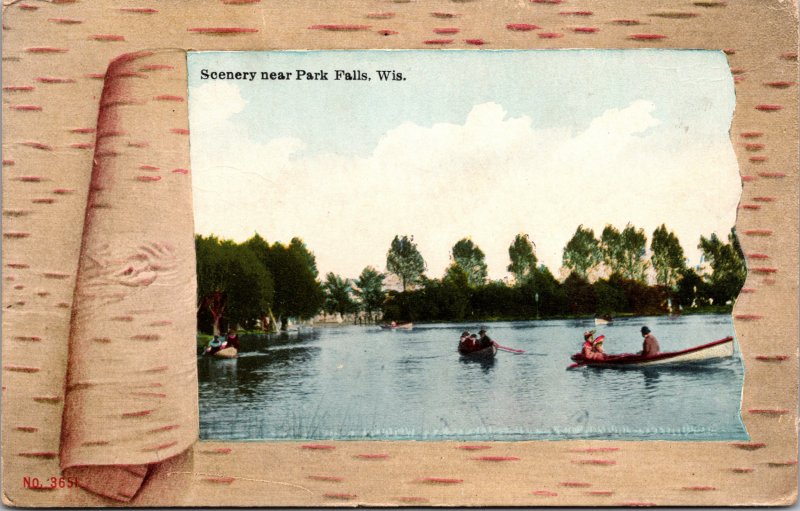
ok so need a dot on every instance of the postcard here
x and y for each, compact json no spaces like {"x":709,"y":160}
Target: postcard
{"x":465,"y":255}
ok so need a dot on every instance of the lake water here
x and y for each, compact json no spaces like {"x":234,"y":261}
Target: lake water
{"x":357,"y":382}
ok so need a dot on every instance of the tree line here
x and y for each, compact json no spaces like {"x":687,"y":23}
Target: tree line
{"x":258,"y":285}
{"x":607,"y":275}
{"x":250,"y":283}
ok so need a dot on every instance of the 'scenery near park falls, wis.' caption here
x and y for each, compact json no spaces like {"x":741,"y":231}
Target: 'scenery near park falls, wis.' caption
{"x":302,"y":74}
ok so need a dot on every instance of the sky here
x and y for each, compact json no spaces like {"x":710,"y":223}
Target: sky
{"x":478,"y":144}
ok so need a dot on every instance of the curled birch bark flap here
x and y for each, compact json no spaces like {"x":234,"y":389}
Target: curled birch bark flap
{"x":131,"y":389}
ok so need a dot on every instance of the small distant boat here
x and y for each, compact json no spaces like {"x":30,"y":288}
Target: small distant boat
{"x":718,"y":349}
{"x":398,"y":326}
{"x":226,"y":353}
{"x":602,"y":321}
{"x":219,"y":348}
{"x":488,"y":352}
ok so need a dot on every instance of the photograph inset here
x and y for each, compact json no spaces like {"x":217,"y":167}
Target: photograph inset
{"x":476,"y":245}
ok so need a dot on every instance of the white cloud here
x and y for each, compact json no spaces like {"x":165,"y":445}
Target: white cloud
{"x":215,"y":102}
{"x":490,"y":178}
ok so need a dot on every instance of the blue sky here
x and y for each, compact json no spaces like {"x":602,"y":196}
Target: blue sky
{"x":559,"y":88}
{"x":567,"y":108}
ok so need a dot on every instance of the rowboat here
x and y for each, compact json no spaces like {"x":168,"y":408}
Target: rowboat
{"x":230,"y":352}
{"x":398,"y":326}
{"x":602,"y":321}
{"x":218,"y":348}
{"x":710,"y":351}
{"x":488,"y":352}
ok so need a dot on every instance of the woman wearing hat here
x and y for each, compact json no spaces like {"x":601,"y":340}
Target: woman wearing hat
{"x":650,"y":346}
{"x":592,"y":348}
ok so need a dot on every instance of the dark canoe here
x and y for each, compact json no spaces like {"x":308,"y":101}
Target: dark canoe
{"x":489,"y":352}
{"x":712,"y":350}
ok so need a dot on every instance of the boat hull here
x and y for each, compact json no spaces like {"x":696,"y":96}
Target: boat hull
{"x":488,"y":352}
{"x":722,"y":348}
{"x":226,"y":353}
{"x":403,"y":326}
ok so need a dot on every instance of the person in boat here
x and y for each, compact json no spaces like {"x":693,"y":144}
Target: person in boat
{"x":467,"y":342}
{"x":393,"y":324}
{"x":484,"y":341}
{"x":232,"y":339}
{"x":216,"y":344}
{"x":650,"y":345}
{"x":592,"y":348}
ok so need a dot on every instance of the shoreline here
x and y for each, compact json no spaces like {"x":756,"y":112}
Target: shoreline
{"x":203,"y":337}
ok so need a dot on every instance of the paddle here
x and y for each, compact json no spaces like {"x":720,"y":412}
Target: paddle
{"x":506,"y":348}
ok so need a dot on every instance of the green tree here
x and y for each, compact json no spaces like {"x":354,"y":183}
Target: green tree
{"x":369,"y":290}
{"x":623,"y":252}
{"x":297,"y":246}
{"x":469,"y":257}
{"x":640,"y":299}
{"x":211,"y":296}
{"x":552,"y":300}
{"x":580,"y":297}
{"x":405,"y":261}
{"x":692,"y":290}
{"x":523,"y":259}
{"x":497,"y":300}
{"x":250,"y":288}
{"x":611,"y":297}
{"x":338,"y":295}
{"x":728,"y":267}
{"x":453,"y":295}
{"x":297,"y":292}
{"x":232,"y":284}
{"x":582,"y":252}
{"x":666,"y":257}
{"x":611,"y":248}
{"x":260,"y":248}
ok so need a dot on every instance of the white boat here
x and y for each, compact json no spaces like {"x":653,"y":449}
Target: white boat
{"x":718,"y":349}
{"x":398,"y":326}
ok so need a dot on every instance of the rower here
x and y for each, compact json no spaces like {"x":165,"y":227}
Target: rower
{"x":650,"y":345}
{"x":484,"y":341}
{"x":232,"y":339}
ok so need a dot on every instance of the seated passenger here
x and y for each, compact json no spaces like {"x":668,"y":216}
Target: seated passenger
{"x":592,"y":348}
{"x":466,"y":343}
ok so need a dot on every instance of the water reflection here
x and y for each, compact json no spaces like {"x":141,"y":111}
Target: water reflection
{"x":218,"y":370}
{"x":651,"y":379}
{"x":485,"y":363}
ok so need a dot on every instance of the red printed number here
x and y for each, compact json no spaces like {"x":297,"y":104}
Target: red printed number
{"x":52,"y":482}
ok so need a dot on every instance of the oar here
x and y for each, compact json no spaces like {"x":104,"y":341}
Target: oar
{"x":506,"y":348}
